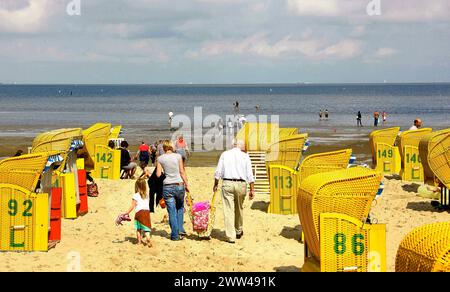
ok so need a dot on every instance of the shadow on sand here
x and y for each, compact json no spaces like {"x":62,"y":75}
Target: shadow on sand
{"x":292,"y":233}
{"x":261,"y":206}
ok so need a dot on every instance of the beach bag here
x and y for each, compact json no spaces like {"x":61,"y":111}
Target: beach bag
{"x":200,"y":214}
{"x":92,"y":190}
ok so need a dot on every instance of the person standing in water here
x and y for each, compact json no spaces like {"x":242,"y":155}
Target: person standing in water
{"x":384,"y":115}
{"x":376,"y":116}
{"x":326,"y":114}
{"x":359,"y":119}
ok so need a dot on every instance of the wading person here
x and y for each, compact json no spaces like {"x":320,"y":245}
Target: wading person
{"x":235,"y":170}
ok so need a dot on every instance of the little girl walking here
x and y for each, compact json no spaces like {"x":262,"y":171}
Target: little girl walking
{"x":140,"y":204}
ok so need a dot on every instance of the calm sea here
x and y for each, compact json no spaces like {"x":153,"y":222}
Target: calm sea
{"x":143,"y":109}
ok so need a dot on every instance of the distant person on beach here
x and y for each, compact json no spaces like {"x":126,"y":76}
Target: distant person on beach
{"x":153,"y":150}
{"x":241,"y":122}
{"x":230,"y":126}
{"x":320,"y":114}
{"x":376,"y":116}
{"x":112,"y":145}
{"x":170,"y":120}
{"x":174,"y":187}
{"x":159,"y":149}
{"x":125,"y":161}
{"x":18,"y":153}
{"x":326,"y":114}
{"x":143,"y":155}
{"x":359,"y":119}
{"x":182,"y":148}
{"x":384,"y":115}
{"x":220,"y":125}
{"x":140,"y":205}
{"x":235,"y":170}
{"x":417,"y":124}
{"x":257,"y":108}
{"x":236,"y":107}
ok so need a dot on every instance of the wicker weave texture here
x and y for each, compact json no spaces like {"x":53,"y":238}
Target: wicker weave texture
{"x":350,"y":192}
{"x":97,"y":134}
{"x":283,"y":190}
{"x":412,"y":138}
{"x":386,"y":136}
{"x":439,"y":160}
{"x":56,"y":140}
{"x":428,"y":142}
{"x":258,"y":136}
{"x":287,"y":152}
{"x":425,"y":249}
{"x":324,"y":162}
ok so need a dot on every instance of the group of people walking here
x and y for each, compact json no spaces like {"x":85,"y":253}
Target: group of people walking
{"x":169,"y":183}
{"x":377,"y":118}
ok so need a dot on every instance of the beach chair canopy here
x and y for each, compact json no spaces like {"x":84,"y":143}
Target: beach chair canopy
{"x":425,"y":249}
{"x":26,"y":170}
{"x":115,"y":132}
{"x":429,"y":145}
{"x":97,"y":134}
{"x":61,"y":140}
{"x":324,"y":162}
{"x":385,"y":136}
{"x":287,"y":152}
{"x":287,"y":132}
{"x":412,"y":138}
{"x":349,"y":192}
{"x":258,"y":136}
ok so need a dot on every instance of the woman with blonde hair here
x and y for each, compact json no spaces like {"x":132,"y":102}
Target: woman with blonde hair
{"x":174,"y":187}
{"x":140,"y":204}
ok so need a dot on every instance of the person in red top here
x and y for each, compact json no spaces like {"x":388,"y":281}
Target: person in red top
{"x":143,"y":155}
{"x":376,"y":116}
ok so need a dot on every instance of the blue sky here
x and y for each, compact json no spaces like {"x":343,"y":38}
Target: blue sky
{"x":224,"y":41}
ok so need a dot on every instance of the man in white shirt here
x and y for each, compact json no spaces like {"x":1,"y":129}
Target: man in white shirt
{"x":417,"y":124}
{"x":235,"y":170}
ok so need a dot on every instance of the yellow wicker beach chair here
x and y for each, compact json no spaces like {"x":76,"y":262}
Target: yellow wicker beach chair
{"x":324,"y":162}
{"x":425,"y":249}
{"x":258,"y":136}
{"x":107,"y":163}
{"x":385,"y":156}
{"x":24,"y":171}
{"x":24,"y":219}
{"x":435,"y":155}
{"x":283,"y":190}
{"x":287,"y":132}
{"x":412,"y":169}
{"x":348,"y":192}
{"x":115,"y":132}
{"x":56,"y":140}
{"x":287,"y":152}
{"x":97,"y":134}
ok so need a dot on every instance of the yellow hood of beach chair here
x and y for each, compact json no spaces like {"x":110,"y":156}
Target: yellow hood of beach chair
{"x":349,"y":192}
{"x":287,"y":132}
{"x":24,"y":171}
{"x":385,"y":136}
{"x":258,"y":136}
{"x":427,"y":147}
{"x":412,"y":138}
{"x":56,"y":140}
{"x":324,"y":162}
{"x":287,"y":152}
{"x":115,"y":132}
{"x":97,"y":134}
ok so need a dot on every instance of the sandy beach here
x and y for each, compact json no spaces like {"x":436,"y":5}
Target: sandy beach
{"x":270,"y":243}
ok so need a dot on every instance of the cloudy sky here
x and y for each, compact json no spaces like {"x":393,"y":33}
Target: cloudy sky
{"x":224,"y":41}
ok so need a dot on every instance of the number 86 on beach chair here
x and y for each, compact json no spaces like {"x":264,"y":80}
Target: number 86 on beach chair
{"x":333,"y":210}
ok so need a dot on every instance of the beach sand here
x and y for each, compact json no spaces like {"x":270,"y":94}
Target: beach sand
{"x":270,"y":242}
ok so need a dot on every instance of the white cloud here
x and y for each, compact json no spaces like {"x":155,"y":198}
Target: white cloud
{"x":385,"y":52}
{"x":285,"y":47}
{"x":28,"y":18}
